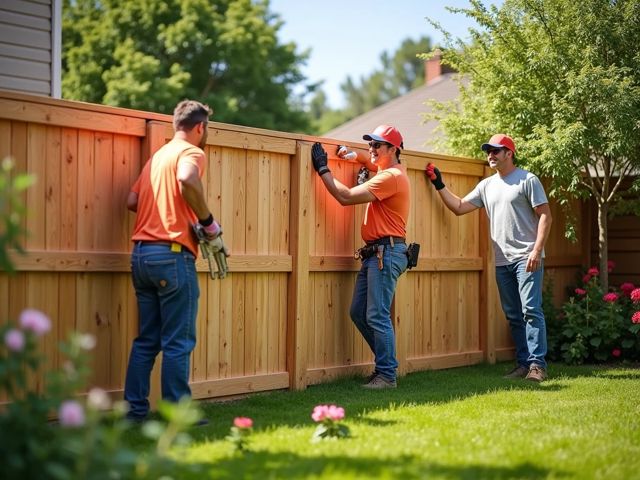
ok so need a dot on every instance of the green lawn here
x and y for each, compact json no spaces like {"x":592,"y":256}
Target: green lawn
{"x":584,"y":422}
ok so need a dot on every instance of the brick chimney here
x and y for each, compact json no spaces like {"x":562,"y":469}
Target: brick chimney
{"x":433,"y":68}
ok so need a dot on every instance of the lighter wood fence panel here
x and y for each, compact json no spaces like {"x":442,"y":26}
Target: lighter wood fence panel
{"x":281,"y":317}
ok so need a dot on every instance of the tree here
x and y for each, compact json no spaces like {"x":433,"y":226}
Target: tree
{"x":149,"y":55}
{"x":399,"y":74}
{"x":563,"y":78}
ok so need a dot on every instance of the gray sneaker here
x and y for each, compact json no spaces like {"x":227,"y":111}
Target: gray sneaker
{"x":536,"y":373}
{"x":518,"y":372}
{"x":379,"y":382}
{"x":370,"y":377}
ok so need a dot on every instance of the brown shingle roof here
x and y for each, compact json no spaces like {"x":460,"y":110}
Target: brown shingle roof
{"x":405,"y":113}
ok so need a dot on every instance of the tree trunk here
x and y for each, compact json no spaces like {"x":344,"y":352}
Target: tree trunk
{"x":603,"y":210}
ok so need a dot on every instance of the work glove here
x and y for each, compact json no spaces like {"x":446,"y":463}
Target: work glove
{"x":213,"y":230}
{"x":319,"y":159}
{"x":217,"y":245}
{"x":434,"y":175}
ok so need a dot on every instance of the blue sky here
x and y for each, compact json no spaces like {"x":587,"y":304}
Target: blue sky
{"x":346,"y":37}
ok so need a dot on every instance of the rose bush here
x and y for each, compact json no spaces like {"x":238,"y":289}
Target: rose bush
{"x":596,"y":326}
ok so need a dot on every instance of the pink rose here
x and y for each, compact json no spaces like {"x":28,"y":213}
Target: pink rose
{"x":635,"y":296}
{"x":635,"y":318}
{"x":580,"y":291}
{"x":335,"y":413}
{"x":593,"y":272}
{"x":610,"y":297}
{"x":243,"y":422}
{"x":71,"y":414}
{"x":586,"y":278}
{"x":319,"y":413}
{"x":35,"y":321}
{"x":14,"y":340}
{"x":616,"y":352}
{"x":610,"y":265}
{"x":627,"y":288}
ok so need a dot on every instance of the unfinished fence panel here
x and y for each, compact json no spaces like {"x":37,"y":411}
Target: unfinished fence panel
{"x":281,"y":317}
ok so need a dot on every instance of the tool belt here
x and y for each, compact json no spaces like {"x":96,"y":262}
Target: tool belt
{"x":376,"y":248}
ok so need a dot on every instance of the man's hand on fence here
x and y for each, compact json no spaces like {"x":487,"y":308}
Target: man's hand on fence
{"x":319,"y":159}
{"x":433,"y":174}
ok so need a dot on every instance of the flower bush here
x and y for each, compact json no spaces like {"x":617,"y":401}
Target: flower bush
{"x":596,"y":326}
{"x":328,"y":418}
{"x":239,"y":433}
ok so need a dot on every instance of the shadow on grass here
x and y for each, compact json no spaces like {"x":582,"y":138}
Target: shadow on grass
{"x":261,"y":464}
{"x":293,"y":408}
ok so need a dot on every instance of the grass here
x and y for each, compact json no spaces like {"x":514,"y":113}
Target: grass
{"x":464,"y":423}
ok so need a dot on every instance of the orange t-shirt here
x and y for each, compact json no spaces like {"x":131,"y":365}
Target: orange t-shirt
{"x":387,"y":216}
{"x":163,"y":214}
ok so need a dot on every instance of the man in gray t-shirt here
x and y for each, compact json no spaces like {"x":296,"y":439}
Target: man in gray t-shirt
{"x":520,"y":221}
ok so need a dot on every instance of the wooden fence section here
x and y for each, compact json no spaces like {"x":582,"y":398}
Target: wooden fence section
{"x":281,"y":317}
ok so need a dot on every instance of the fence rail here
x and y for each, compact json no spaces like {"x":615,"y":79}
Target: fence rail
{"x":280,"y":318}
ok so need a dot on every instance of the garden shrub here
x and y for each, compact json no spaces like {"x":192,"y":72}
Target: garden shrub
{"x":595,"y":326}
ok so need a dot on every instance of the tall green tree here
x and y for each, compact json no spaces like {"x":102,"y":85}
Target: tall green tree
{"x":563,"y":78}
{"x":150,"y":54}
{"x":400,"y":72}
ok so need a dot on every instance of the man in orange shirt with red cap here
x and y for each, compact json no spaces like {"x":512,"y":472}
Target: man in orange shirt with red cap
{"x":384,"y":259}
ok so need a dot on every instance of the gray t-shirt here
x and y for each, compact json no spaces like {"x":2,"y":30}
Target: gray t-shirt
{"x":509,"y":202}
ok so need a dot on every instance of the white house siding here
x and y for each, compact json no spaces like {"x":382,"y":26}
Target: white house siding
{"x":30,"y":45}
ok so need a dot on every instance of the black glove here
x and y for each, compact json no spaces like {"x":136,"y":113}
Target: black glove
{"x":319,"y":159}
{"x":434,"y":175}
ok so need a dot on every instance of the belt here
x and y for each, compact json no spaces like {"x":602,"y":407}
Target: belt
{"x":387,"y":241}
{"x":175,"y":247}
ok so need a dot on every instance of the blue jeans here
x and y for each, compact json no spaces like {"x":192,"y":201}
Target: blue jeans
{"x":521,"y":298}
{"x":371,"y":306}
{"x":167,"y":291}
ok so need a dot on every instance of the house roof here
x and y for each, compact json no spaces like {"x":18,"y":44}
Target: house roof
{"x":405,"y":113}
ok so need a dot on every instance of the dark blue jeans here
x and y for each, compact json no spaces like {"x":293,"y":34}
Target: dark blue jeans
{"x":521,"y":298}
{"x":371,"y":306}
{"x":167,"y":291}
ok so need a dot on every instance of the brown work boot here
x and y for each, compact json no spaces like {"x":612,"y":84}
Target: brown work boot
{"x":379,"y":382}
{"x":536,"y":373}
{"x":518,"y":372}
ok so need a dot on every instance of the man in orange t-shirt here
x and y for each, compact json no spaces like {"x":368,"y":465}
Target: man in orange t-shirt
{"x":168,"y":197}
{"x":384,"y":258}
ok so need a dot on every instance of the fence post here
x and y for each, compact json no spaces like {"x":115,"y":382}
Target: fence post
{"x":488,"y":290}
{"x":298,"y":310}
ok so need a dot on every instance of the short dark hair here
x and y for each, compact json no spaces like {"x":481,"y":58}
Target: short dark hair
{"x":189,"y":113}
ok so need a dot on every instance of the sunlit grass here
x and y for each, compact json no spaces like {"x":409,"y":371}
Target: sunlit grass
{"x":462,"y":423}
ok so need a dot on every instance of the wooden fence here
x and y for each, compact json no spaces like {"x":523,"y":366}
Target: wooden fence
{"x":280,"y":319}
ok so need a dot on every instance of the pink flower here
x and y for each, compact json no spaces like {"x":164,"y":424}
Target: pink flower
{"x":635,"y":295}
{"x":635,"y":318}
{"x":586,"y":278}
{"x":14,"y":340}
{"x":593,"y":272}
{"x":610,"y":265}
{"x":327,"y":412}
{"x":35,"y":321}
{"x":616,"y":352}
{"x":243,"y":422}
{"x":580,"y":291}
{"x":610,"y":297}
{"x":627,"y":288}
{"x":71,"y":414}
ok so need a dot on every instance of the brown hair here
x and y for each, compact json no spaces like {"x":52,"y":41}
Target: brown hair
{"x":189,"y":113}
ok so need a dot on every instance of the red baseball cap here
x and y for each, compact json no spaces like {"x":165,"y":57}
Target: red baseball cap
{"x":385,"y":133}
{"x":499,"y":140}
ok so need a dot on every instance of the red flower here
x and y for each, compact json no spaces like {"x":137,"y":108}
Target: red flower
{"x":243,"y":422}
{"x":610,"y":297}
{"x":635,"y":295}
{"x":616,"y":352}
{"x":586,"y":278}
{"x":580,"y":291}
{"x":635,"y":318}
{"x":593,"y":271}
{"x":627,"y":288}
{"x":610,"y":265}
